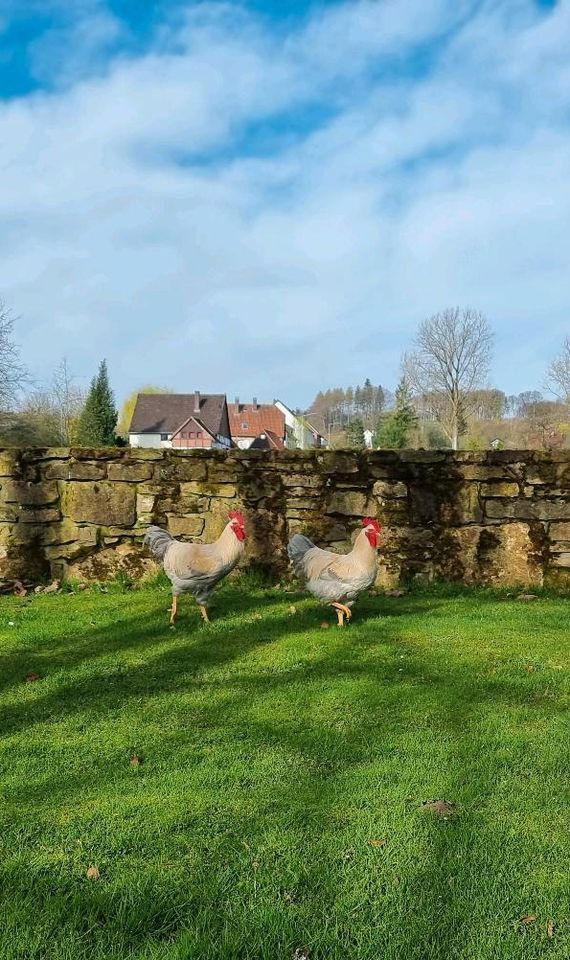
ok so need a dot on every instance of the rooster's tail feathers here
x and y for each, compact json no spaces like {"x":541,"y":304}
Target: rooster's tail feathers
{"x":297,"y":548}
{"x":157,"y":541}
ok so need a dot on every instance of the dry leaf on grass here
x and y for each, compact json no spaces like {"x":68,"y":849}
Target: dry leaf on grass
{"x":93,"y":873}
{"x":527,"y":596}
{"x":378,"y":843}
{"x":325,"y":625}
{"x":301,"y":953}
{"x":442,"y":808}
{"x":550,"y":928}
{"x":32,"y":677}
{"x":528,"y":918}
{"x":135,"y":760}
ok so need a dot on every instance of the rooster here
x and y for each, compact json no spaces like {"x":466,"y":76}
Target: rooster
{"x":197,"y":567}
{"x":337,"y":579}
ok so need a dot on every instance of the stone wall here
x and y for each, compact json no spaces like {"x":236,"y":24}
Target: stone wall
{"x":500,"y":517}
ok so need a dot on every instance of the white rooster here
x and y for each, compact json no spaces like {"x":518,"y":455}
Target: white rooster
{"x":197,"y":567}
{"x":337,"y":579}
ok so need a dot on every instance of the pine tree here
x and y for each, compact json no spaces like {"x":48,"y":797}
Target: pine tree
{"x":393,"y":432}
{"x":99,"y":416}
{"x":355,"y":434}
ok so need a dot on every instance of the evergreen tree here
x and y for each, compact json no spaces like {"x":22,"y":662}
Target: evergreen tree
{"x":99,"y":416}
{"x":393,"y":432}
{"x":355,"y":434}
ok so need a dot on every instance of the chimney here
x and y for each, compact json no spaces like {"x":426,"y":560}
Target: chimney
{"x":255,"y":403}
{"x":196,"y":401}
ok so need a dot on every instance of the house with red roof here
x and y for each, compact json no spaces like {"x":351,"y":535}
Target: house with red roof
{"x":260,"y":426}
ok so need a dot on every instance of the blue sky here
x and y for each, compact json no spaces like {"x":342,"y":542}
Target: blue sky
{"x":267,"y":198}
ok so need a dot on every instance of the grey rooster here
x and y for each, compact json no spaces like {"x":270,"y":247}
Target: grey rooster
{"x":197,"y":567}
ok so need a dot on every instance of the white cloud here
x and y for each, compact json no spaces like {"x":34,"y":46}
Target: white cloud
{"x":242,"y":210}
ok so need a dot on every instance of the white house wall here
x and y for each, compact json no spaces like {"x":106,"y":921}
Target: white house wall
{"x":148,"y":440}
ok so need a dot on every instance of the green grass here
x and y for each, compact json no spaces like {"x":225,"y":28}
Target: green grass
{"x":273,"y":752}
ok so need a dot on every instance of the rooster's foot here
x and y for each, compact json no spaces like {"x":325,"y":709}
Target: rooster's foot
{"x":342,"y":611}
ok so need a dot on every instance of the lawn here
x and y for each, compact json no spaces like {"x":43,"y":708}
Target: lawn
{"x":276,"y":806}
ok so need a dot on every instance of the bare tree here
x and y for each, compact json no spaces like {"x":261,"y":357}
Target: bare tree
{"x":449,"y":362}
{"x":51,"y":413}
{"x":13,"y":374}
{"x":67,"y":401}
{"x":558,"y":374}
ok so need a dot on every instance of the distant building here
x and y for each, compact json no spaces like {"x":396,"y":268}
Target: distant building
{"x":181,"y":420}
{"x":299,"y":432}
{"x":267,"y":441}
{"x":250,"y":422}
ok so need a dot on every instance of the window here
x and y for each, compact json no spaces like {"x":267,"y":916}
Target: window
{"x":164,"y":436}
{"x":244,"y":426}
{"x":183,"y":435}
{"x":199,"y":435}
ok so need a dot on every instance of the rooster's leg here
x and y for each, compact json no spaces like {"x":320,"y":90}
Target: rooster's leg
{"x":340,"y":608}
{"x":345,"y":610}
{"x":173,"y":611}
{"x":204,"y":613}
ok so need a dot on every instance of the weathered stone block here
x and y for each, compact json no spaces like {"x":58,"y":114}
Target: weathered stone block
{"x":123,"y":558}
{"x":146,"y":453}
{"x":40,"y":515}
{"x":96,"y":453}
{"x":57,"y":470}
{"x":482,"y":472}
{"x":423,"y":456}
{"x":460,"y":504}
{"x":9,"y":466}
{"x":338,"y":462}
{"x":28,"y":493}
{"x":106,"y":503}
{"x":559,"y":531}
{"x":184,"y":505}
{"x":145,"y":504}
{"x":302,"y":503}
{"x":134,"y":472}
{"x":528,"y":509}
{"x":69,"y":532}
{"x":186,"y":526}
{"x":302,"y":480}
{"x":351,"y":503}
{"x":194,"y":488}
{"x":385,"y":490}
{"x":561,"y":560}
{"x":500,"y":489}
{"x":84,"y":470}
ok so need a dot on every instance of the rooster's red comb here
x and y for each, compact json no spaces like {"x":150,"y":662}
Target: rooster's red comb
{"x":371,"y":522}
{"x":236,"y":515}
